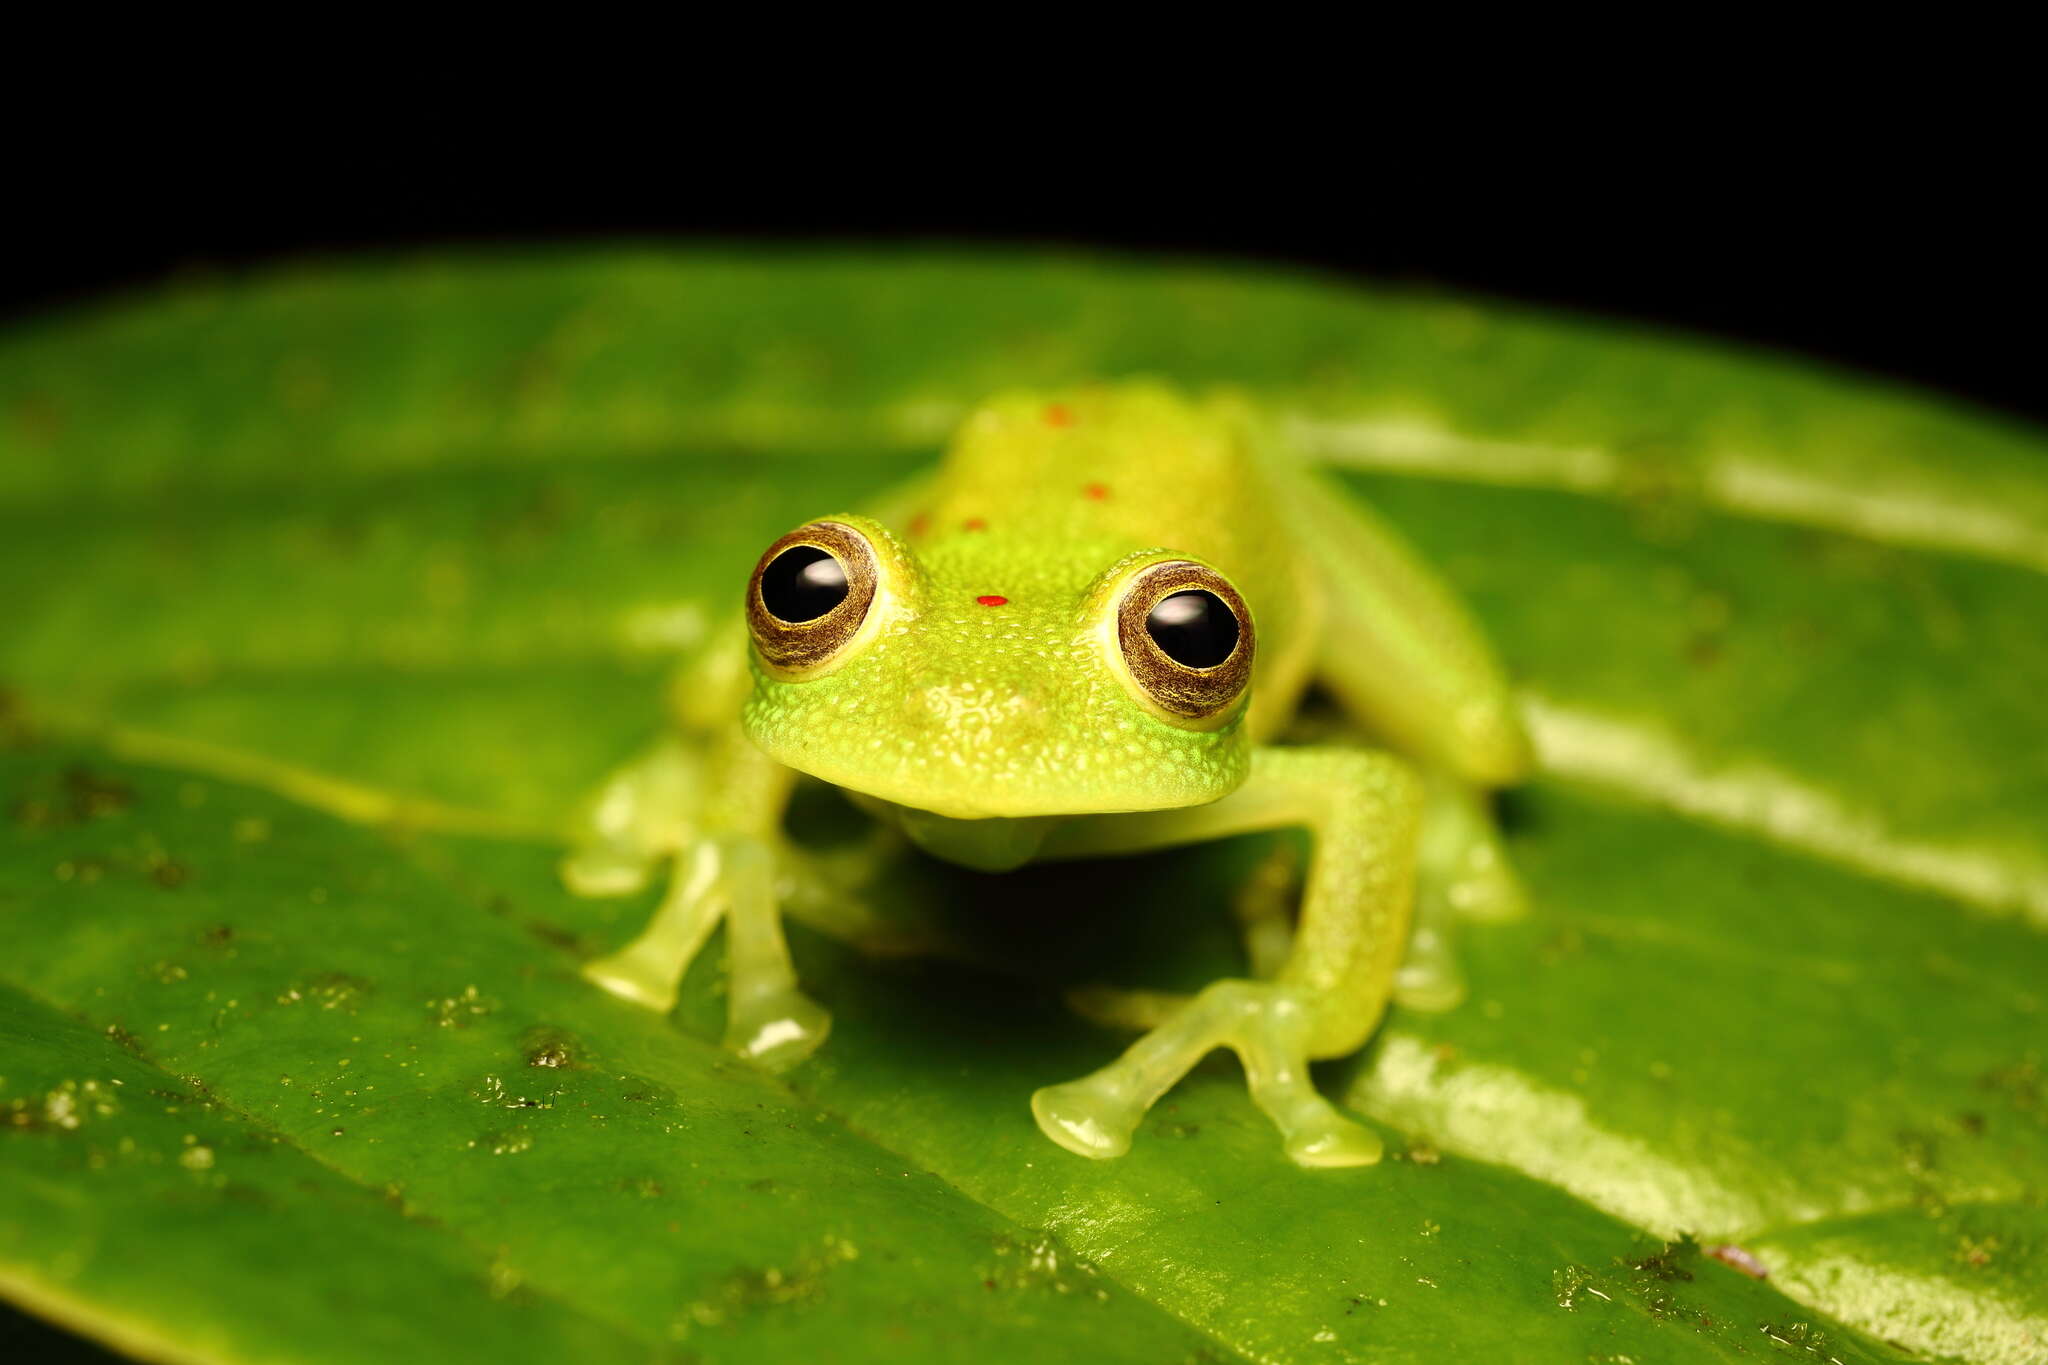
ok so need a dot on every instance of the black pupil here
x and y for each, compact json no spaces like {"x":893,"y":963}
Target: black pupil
{"x":1194,"y":628}
{"x":802,"y":584}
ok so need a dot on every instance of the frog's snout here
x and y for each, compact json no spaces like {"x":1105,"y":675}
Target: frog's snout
{"x":967,"y":714}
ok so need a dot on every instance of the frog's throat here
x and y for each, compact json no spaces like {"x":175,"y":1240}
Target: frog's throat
{"x":994,"y":844}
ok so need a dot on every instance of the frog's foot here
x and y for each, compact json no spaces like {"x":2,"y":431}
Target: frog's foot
{"x":606,"y":869}
{"x":1133,"y":1011}
{"x":1429,"y":979}
{"x":768,"y":1020}
{"x":774,"y":1026}
{"x":632,"y":977}
{"x":1266,"y":1024}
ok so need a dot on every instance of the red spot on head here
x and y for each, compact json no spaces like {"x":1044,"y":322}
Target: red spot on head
{"x":1097,"y":491}
{"x":974,"y":524}
{"x":919,"y":523}
{"x":993,"y":601}
{"x":1058,"y":415}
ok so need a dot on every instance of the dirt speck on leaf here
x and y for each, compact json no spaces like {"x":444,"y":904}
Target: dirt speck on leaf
{"x":1573,"y":1284}
{"x":547,"y":1046}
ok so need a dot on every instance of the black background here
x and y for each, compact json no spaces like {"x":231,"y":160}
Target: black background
{"x":1923,"y":276}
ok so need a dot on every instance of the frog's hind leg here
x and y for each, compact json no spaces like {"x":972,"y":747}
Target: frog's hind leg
{"x":1361,"y":809}
{"x":832,"y":891}
{"x":1395,"y":646}
{"x":1462,"y":873}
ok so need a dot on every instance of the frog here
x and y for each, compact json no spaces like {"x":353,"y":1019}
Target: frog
{"x":1089,"y":632}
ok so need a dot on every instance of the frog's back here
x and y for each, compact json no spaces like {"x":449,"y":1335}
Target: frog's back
{"x":1134,"y":462}
{"x":1079,"y":478}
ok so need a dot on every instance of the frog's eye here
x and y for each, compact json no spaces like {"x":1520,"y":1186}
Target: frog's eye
{"x":1186,"y":639}
{"x":809,"y":596}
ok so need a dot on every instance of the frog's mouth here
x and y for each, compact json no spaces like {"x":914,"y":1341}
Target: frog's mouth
{"x":1001,"y":785}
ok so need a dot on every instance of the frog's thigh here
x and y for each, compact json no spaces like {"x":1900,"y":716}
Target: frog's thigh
{"x":1397,"y":647}
{"x":1361,"y":809}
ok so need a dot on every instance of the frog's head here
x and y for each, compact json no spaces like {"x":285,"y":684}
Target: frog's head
{"x":982,"y":679}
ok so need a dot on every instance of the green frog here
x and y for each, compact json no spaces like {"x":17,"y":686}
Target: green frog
{"x":1081,"y":637}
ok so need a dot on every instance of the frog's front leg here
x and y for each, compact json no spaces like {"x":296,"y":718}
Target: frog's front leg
{"x":1362,"y":810}
{"x":724,"y":839}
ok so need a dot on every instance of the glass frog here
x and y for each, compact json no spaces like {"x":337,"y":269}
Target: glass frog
{"x":1079,"y":638}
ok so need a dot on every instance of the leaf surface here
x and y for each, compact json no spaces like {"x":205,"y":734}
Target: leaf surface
{"x":333,"y":592}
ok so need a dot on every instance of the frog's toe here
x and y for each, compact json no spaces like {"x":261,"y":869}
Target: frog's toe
{"x":1483,"y":887}
{"x":1425,"y":992}
{"x":1087,"y":1116}
{"x":1313,"y":1131}
{"x":1338,"y":1143}
{"x":1110,"y":1007}
{"x":631,"y":977}
{"x":1429,"y":979}
{"x":1267,"y":1025}
{"x":776,"y":1028}
{"x":605,"y":870}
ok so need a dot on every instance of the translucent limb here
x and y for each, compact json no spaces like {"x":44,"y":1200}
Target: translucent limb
{"x":649,"y":970}
{"x":1327,"y":996}
{"x":1461,"y":874}
{"x":768,"y":1020}
{"x":736,"y":867}
{"x":1268,"y":1026}
{"x":1135,"y":1011}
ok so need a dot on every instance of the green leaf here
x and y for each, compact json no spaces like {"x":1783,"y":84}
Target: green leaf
{"x":332,"y":592}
